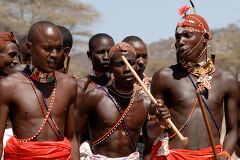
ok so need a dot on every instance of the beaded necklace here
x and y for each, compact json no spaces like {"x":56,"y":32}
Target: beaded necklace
{"x":40,"y":76}
{"x":122,"y":92}
{"x":42,"y":108}
{"x":108,"y":133}
{"x":124,"y":124}
{"x":203,"y":74}
{"x":146,"y":80}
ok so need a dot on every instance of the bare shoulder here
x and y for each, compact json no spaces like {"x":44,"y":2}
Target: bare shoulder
{"x":165,"y":73}
{"x":66,"y":80}
{"x":95,"y":94}
{"x":9,"y":84}
{"x":226,"y":79}
{"x":12,"y":81}
{"x":225,"y":75}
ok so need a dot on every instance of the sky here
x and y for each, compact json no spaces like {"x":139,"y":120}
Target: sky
{"x":153,"y":20}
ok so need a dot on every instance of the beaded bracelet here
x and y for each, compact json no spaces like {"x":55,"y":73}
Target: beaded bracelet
{"x":225,"y":154}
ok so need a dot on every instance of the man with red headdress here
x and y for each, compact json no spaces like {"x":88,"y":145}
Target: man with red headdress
{"x":178,"y":84}
{"x":8,"y":52}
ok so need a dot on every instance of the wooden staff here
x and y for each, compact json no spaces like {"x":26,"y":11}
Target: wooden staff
{"x":183,"y":139}
{"x":210,"y":136}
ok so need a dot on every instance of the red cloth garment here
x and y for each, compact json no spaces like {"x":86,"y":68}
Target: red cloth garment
{"x":6,"y":37}
{"x":181,"y":154}
{"x":33,"y":150}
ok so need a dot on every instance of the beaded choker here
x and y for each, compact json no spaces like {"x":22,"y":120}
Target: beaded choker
{"x":40,"y":76}
{"x":122,"y":92}
{"x":202,"y":72}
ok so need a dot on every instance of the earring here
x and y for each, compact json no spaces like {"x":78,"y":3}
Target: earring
{"x":172,"y":47}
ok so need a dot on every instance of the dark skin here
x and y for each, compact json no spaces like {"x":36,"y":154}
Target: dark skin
{"x":98,"y":54}
{"x":99,"y":47}
{"x":237,"y":151}
{"x":142,"y":59}
{"x":141,"y":53}
{"x":8,"y":58}
{"x":101,"y":114}
{"x":25,"y":113}
{"x":25,"y":53}
{"x":175,"y":88}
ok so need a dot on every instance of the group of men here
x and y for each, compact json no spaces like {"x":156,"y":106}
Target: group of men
{"x":54,"y":115}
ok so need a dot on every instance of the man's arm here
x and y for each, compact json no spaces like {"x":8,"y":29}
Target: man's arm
{"x":80,"y":117}
{"x":231,"y":113}
{"x":69,"y":126}
{"x":237,"y":150}
{"x":4,"y":110}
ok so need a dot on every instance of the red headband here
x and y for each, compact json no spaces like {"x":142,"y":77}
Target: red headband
{"x":122,"y":47}
{"x":6,"y":37}
{"x":193,"y":22}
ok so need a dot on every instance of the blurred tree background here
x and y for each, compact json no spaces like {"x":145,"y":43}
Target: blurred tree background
{"x":18,"y":15}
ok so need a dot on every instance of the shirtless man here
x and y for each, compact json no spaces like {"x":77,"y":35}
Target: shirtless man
{"x":177,"y":86}
{"x":43,"y":123}
{"x":115,"y":113}
{"x":99,"y":46}
{"x":142,"y":59}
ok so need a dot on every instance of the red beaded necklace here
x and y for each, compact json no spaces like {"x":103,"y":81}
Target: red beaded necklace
{"x":108,"y":133}
{"x":42,"y":108}
{"x":122,"y":92}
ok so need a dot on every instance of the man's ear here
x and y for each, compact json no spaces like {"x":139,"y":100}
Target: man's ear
{"x":89,"y":55}
{"x":29,"y":45}
{"x":66,"y":51}
{"x":206,"y":37}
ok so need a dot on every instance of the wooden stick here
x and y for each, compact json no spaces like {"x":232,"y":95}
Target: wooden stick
{"x":183,"y":139}
{"x":210,"y":136}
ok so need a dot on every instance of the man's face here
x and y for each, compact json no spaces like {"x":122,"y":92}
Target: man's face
{"x":8,"y":57}
{"x":47,"y":49}
{"x":141,"y":56}
{"x":25,"y":53}
{"x":120,"y":70}
{"x":99,"y":54}
{"x":189,"y":44}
